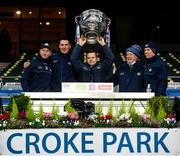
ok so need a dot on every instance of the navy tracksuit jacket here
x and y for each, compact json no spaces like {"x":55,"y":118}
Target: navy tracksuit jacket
{"x":156,"y":75}
{"x":95,"y":73}
{"x":62,"y":70}
{"x":37,"y":77}
{"x":130,"y":79}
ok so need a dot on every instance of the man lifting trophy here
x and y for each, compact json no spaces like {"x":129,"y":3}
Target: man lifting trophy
{"x":93,"y":42}
{"x":91,"y":24}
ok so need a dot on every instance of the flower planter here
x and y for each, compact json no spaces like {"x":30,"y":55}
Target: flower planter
{"x":91,"y":141}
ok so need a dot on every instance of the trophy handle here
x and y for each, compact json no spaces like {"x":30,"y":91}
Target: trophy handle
{"x":77,"y":19}
{"x":108,"y":21}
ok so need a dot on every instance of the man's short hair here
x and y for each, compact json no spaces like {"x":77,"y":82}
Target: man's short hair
{"x":64,"y":38}
{"x":92,"y":52}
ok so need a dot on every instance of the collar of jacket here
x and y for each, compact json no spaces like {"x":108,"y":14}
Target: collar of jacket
{"x":150,"y":60}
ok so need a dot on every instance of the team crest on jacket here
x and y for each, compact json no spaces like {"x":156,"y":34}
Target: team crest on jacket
{"x":121,"y":74}
{"x":55,"y":61}
{"x":150,"y":70}
{"x":85,"y":68}
{"x":98,"y":67}
{"x":46,"y":68}
{"x":138,"y":73}
{"x":40,"y":67}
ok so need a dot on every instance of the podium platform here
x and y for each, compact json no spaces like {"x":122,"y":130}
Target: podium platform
{"x":60,"y":99}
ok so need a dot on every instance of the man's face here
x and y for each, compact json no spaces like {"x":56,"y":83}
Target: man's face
{"x":91,"y":58}
{"x":45,"y":53}
{"x":130,"y":57}
{"x":64,"y":46}
{"x":148,"y":53}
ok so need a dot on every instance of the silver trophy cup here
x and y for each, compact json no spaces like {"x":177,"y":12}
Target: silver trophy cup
{"x":91,"y":23}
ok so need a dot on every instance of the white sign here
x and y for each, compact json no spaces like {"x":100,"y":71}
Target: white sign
{"x":87,"y":87}
{"x":91,"y":141}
